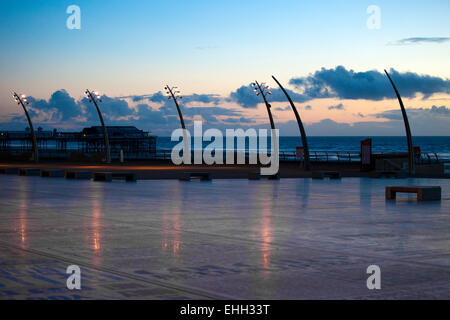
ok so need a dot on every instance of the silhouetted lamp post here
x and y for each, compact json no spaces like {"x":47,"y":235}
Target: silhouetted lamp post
{"x":300,"y":126}
{"x":263,"y":89}
{"x":95,"y":98}
{"x":174,"y":93}
{"x":22,"y":100}
{"x":411,"y":162}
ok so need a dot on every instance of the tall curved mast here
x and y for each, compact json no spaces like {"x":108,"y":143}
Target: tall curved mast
{"x":22,"y":100}
{"x":300,"y":126}
{"x":411,"y":162}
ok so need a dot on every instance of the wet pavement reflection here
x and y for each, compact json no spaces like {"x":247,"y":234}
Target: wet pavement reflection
{"x":287,"y":239}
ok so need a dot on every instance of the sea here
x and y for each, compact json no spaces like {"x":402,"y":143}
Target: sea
{"x":438,"y":145}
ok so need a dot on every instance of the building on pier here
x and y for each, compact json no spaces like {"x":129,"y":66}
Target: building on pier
{"x":134,"y":143}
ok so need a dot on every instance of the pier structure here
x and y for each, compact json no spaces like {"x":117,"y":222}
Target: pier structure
{"x":134,"y":143}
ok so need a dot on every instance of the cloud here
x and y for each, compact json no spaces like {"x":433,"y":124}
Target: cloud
{"x":63,"y":111}
{"x":340,"y":106}
{"x":160,"y":97}
{"x":414,"y":113}
{"x":61,"y":106}
{"x":210,"y":114}
{"x":420,"y":40}
{"x":390,"y":114}
{"x":442,"y":110}
{"x":371,"y":85}
{"x":204,"y":98}
{"x":241,"y":120}
{"x":157,"y":97}
{"x":287,"y":108}
{"x":246,"y":97}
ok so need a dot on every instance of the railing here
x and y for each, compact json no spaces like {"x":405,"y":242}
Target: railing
{"x":316,"y":156}
{"x":331,"y":156}
{"x":325,"y":156}
{"x":288,"y":156}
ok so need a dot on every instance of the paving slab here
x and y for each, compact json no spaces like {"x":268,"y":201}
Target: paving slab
{"x":232,"y":239}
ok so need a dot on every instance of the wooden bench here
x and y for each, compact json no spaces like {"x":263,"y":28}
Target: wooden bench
{"x":127,"y":176}
{"x":103,"y":176}
{"x":29,"y":172}
{"x":78,"y":175}
{"x":186,"y":176}
{"x":46,"y":173}
{"x":423,"y":193}
{"x":109,"y":176}
{"x":326,"y":174}
{"x":8,"y":170}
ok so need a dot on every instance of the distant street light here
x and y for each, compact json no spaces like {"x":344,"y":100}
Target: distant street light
{"x":300,"y":126}
{"x":96,"y":97}
{"x":263,"y":89}
{"x":22,"y":100}
{"x":175,"y":94}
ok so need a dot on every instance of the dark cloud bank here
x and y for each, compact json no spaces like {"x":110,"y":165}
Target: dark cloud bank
{"x":63,"y":111}
{"x":370,"y":85}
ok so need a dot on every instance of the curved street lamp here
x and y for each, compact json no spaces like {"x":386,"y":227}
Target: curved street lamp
{"x":411,"y":162}
{"x":95,"y":97}
{"x":300,"y":126}
{"x":263,"y":89}
{"x":174,"y":93}
{"x":22,"y":100}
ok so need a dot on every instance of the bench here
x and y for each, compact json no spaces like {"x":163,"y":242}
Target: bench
{"x":326,"y":174}
{"x":103,"y":176}
{"x":127,"y":176}
{"x":109,"y":176}
{"x":423,"y":193}
{"x":29,"y":172}
{"x":186,"y":176}
{"x":78,"y":174}
{"x":7,"y":170}
{"x":52,"y":173}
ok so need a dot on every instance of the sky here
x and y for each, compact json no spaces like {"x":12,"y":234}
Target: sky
{"x":324,"y":52}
